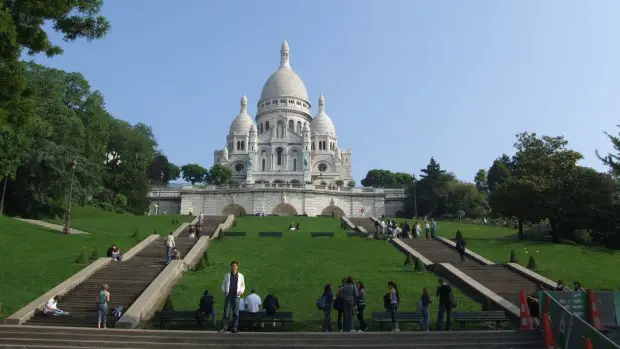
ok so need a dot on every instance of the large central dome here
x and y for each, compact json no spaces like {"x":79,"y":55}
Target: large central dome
{"x":284,"y":82}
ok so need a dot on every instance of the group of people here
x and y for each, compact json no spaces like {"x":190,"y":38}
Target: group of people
{"x":393,"y":229}
{"x":293,"y":226}
{"x":114,"y":252}
{"x":534,"y":304}
{"x":172,"y":253}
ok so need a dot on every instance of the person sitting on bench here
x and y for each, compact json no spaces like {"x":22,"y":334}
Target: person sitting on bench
{"x":271,"y":305}
{"x":252,"y":304}
{"x":206,"y":309}
{"x":116,"y":254}
{"x":51,"y":308}
{"x":111,"y":250}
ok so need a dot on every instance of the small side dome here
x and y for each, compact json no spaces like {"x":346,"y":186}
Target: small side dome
{"x":253,"y":128}
{"x":306,"y":128}
{"x":322,"y":124}
{"x":243,"y":122}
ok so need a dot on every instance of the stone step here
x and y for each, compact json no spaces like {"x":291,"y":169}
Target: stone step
{"x":500,"y":279}
{"x":365,"y":223}
{"x":438,"y":252}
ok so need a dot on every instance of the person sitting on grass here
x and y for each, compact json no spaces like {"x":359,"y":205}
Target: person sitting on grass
{"x":206,"y":309}
{"x":297,"y":226}
{"x":51,"y":308}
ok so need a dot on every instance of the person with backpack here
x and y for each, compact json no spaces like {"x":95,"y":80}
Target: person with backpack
{"x":325,"y":303}
{"x":349,"y":295}
{"x":339,"y":306}
{"x":446,"y":303}
{"x":271,"y":305}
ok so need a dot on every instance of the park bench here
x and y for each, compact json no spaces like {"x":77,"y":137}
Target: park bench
{"x":281,"y":316}
{"x":356,"y":234}
{"x":480,"y":316}
{"x":322,"y":234}
{"x":270,"y":234}
{"x":167,"y":316}
{"x":234,"y":233}
{"x":384,"y":317}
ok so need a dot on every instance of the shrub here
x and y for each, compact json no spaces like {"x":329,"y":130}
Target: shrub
{"x":234,"y":224}
{"x":135,"y":235}
{"x":419,"y":266}
{"x":205,"y":256}
{"x":95,"y":255}
{"x":119,"y":210}
{"x":202,"y":264}
{"x":169,"y":306}
{"x":513,"y":257}
{"x":81,"y":259}
{"x":531,"y":264}
{"x":408,"y":262}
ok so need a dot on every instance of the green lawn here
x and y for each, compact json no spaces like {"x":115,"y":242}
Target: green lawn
{"x":296,"y":267}
{"x":34,"y":259}
{"x":594,"y":267}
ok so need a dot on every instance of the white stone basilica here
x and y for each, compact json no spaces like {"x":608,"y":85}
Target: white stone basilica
{"x":285,"y":144}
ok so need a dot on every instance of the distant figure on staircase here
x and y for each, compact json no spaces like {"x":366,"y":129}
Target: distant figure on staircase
{"x":192,"y":232}
{"x":427,"y":230}
{"x":460,"y":245}
{"x":51,"y":308}
{"x":560,"y":286}
{"x":417,"y":230}
{"x":577,"y":287}
{"x":169,"y":246}
{"x":102,"y":306}
{"x":176,"y":254}
{"x":433,"y":229}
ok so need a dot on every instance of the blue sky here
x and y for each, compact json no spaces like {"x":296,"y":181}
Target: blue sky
{"x":403,"y":80}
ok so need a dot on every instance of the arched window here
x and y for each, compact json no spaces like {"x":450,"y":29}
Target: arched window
{"x":312,"y":146}
{"x":238,"y":145}
{"x":279,"y":156}
{"x":266,"y":125}
{"x":291,"y":125}
{"x":242,"y":145}
{"x":299,"y":127}
{"x":294,"y":164}
{"x":263,"y":165}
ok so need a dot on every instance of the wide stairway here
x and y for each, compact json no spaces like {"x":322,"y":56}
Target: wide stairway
{"x":498,"y":278}
{"x":126,"y":280}
{"x":69,"y":338}
{"x":365,"y":223}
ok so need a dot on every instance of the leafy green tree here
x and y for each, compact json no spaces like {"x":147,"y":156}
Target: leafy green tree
{"x":339,"y":183}
{"x":387,"y":179}
{"x":432,"y":190}
{"x":194,"y":173}
{"x":161,"y":166}
{"x":351,"y":184}
{"x":481,"y":181}
{"x":499,"y":172}
{"x":219,"y":175}
{"x":612,"y":160}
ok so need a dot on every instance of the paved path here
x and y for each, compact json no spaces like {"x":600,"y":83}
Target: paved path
{"x":51,"y":226}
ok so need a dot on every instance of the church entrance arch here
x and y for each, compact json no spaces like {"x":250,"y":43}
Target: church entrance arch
{"x":234,"y":209}
{"x":333,"y":211}
{"x":284,"y":210}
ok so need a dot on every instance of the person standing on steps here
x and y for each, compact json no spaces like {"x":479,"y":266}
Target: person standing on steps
{"x":102,"y":306}
{"x":444,"y":292}
{"x":433,"y":229}
{"x":169,"y":246}
{"x":460,"y":245}
{"x":232,"y":288}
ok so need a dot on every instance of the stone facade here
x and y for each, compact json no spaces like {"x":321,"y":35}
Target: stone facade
{"x":285,"y":143}
{"x":280,"y":199}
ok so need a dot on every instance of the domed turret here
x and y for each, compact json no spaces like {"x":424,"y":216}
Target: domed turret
{"x":322,"y":124}
{"x":243,"y":122}
{"x":284,"y":82}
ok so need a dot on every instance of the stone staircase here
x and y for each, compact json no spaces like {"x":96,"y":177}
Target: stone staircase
{"x":365,"y":223}
{"x":69,"y":338}
{"x":209,"y":224}
{"x":126,"y":280}
{"x":437,"y":252}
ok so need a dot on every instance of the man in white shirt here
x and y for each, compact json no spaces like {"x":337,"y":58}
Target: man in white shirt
{"x":169,"y":246}
{"x":252,"y":304}
{"x":232,"y":288}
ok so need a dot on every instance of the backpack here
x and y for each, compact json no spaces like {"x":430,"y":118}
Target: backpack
{"x":338,"y":302}
{"x":270,"y":305}
{"x":320,"y":303}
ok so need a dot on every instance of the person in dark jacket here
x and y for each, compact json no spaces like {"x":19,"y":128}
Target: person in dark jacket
{"x":328,"y":300}
{"x":205,"y":308}
{"x":460,"y":245}
{"x":361,"y":305}
{"x":444,"y":292}
{"x":349,"y":295}
{"x":271,"y":305}
{"x":338,"y":305}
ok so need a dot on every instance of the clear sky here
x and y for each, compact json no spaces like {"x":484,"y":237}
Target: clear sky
{"x":403,"y":80}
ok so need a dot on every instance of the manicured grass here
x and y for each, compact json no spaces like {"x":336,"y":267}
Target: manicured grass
{"x":34,"y":259}
{"x":296,"y":267}
{"x":594,"y":267}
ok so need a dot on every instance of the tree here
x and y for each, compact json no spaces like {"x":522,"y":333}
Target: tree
{"x":481,"y":181}
{"x":194,"y":173}
{"x":351,"y":184}
{"x":339,"y":183}
{"x":431,"y":190}
{"x":463,"y":196}
{"x":160,"y":165}
{"x":499,"y":172}
{"x":219,"y":175}
{"x":387,"y":179}
{"x":612,"y":160}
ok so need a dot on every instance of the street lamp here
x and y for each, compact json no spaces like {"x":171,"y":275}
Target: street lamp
{"x":415,"y":199}
{"x":161,"y":184}
{"x":67,"y":228}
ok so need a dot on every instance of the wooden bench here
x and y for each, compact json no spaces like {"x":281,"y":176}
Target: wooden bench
{"x":383,"y":317}
{"x":234,"y":234}
{"x":322,"y":234}
{"x":167,"y":316}
{"x":281,"y":316}
{"x":480,"y":316}
{"x":270,"y":234}
{"x":356,"y":234}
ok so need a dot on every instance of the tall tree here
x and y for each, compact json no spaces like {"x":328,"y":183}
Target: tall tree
{"x":481,"y":181}
{"x":194,"y":173}
{"x":387,"y":179}
{"x":219,"y":175}
{"x":161,"y":166}
{"x":499,"y":172}
{"x":612,"y":160}
{"x":431,"y":190}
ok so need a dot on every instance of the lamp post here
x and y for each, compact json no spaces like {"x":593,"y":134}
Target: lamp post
{"x":6,"y":179}
{"x":415,"y":198}
{"x":161,"y":184}
{"x":67,"y":228}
